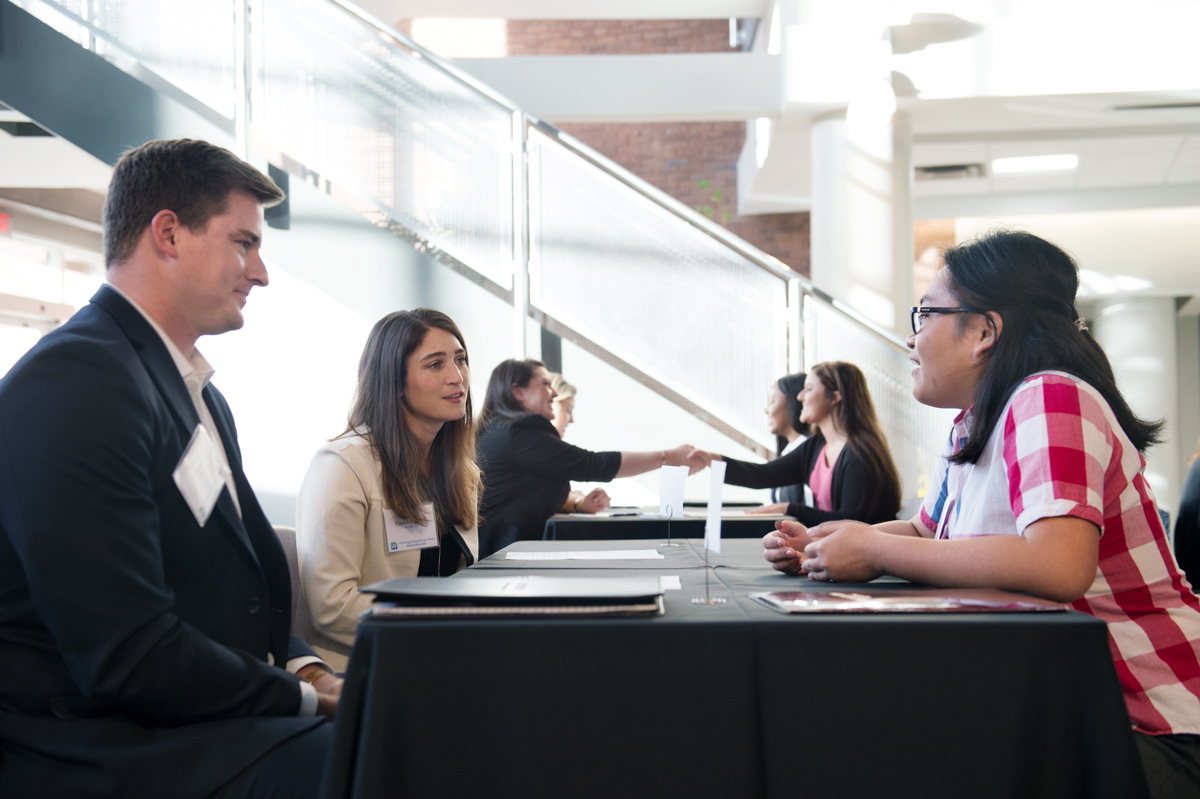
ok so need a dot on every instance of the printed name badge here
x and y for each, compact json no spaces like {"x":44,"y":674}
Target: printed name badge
{"x":403,"y":536}
{"x":201,"y":474}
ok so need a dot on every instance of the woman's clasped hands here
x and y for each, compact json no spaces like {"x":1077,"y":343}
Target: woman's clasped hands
{"x":832,"y":551}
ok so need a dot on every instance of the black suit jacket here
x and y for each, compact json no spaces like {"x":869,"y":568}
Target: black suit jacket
{"x":120,"y":616}
{"x":527,"y":474}
{"x":855,"y":493}
{"x":1187,"y":527}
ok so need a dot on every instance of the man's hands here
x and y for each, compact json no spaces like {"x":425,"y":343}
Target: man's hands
{"x":329,"y":689}
{"x":834,"y":551}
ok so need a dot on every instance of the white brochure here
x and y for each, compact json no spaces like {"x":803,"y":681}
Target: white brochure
{"x":403,"y":536}
{"x":716,"y":487}
{"x":670,"y":490}
{"x":589,"y":554}
{"x":201,"y":474}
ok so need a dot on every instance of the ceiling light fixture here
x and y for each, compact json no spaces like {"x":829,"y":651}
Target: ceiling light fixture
{"x":1036,"y":163}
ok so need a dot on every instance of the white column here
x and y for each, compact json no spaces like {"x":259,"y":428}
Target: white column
{"x":903,"y":245}
{"x":862,"y":250}
{"x":1138,"y":335}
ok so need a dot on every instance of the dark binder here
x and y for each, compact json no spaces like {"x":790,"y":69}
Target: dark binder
{"x":519,"y":595}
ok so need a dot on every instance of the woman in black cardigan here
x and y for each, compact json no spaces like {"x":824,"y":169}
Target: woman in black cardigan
{"x":528,"y":468}
{"x":846,"y":462}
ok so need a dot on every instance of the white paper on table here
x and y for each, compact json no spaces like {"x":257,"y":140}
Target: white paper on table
{"x":670,"y":582}
{"x":589,"y":554}
{"x":670,"y":490}
{"x":716,"y":487}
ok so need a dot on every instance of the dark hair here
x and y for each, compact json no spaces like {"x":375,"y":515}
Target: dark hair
{"x":855,"y":416}
{"x":791,"y":385}
{"x":1031,"y":284}
{"x":382,"y":381}
{"x":192,"y":178}
{"x":499,"y":405}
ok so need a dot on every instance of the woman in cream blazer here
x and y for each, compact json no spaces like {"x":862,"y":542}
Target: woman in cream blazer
{"x":412,"y":412}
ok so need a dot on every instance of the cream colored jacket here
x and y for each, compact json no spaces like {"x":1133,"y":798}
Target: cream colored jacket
{"x":342,"y":545}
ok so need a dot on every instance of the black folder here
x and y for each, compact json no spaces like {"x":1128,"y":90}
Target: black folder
{"x":518,"y":595}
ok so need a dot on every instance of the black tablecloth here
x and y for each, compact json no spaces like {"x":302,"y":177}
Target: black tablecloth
{"x":731,"y":700}
{"x":611,"y":528}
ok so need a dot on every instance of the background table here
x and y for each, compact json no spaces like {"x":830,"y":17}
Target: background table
{"x":565,"y":527}
{"x":731,"y":700}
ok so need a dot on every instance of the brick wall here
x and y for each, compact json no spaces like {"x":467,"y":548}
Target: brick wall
{"x":617,"y":37}
{"x":601,"y":37}
{"x":695,"y":162}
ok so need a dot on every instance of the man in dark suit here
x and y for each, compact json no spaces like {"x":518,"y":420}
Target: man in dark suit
{"x":145,"y":603}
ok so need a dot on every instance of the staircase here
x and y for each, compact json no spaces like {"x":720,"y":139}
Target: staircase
{"x":337,"y":98}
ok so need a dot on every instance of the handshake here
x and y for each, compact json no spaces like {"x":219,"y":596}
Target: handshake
{"x":689,"y":456}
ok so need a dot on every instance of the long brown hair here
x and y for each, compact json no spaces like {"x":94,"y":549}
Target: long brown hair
{"x":380,"y":411}
{"x":855,"y":416}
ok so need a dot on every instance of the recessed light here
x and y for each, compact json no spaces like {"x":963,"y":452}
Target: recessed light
{"x":1036,"y":163}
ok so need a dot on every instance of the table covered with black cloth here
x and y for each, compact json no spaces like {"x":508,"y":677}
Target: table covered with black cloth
{"x":564,"y":527}
{"x":731,"y":700}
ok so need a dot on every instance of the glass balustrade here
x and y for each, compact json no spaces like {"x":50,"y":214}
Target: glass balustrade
{"x":651,"y":288}
{"x":916,"y":433}
{"x":431,"y":154}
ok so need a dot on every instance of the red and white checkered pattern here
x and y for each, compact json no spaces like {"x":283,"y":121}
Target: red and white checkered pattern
{"x":1057,"y":450}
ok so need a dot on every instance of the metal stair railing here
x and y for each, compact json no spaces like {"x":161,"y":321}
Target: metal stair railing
{"x":332,"y":95}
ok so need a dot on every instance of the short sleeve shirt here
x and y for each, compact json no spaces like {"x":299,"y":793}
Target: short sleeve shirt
{"x":1058,"y":450}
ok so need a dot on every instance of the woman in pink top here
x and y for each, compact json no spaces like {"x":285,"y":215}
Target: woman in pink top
{"x":1042,"y":488}
{"x":847,"y":454}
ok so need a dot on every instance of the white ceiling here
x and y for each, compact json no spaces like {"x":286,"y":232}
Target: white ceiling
{"x":1127,"y":158}
{"x":1108,"y":162}
{"x":47,"y":162}
{"x":1157,"y":245}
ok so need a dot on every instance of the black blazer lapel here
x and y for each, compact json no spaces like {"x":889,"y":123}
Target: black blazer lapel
{"x":165,"y":374}
{"x":153,"y":352}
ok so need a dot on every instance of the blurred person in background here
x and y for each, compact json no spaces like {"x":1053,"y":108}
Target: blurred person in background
{"x":1187,"y":526}
{"x":564,"y":403}
{"x":783,"y":418}
{"x":846,"y":461}
{"x":564,"y":414}
{"x":528,"y":468}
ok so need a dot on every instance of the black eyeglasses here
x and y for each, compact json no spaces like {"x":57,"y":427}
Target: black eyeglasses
{"x":918,"y":314}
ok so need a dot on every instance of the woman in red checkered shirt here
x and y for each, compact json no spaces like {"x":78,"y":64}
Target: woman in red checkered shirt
{"x":1042,"y":488}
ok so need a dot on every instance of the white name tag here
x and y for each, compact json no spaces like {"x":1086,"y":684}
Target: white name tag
{"x":404,"y":535}
{"x":201,"y":474}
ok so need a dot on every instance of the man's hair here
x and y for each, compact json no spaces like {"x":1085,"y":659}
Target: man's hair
{"x":192,"y":178}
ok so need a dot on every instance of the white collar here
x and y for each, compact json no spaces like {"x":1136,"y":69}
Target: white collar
{"x":194,"y":369}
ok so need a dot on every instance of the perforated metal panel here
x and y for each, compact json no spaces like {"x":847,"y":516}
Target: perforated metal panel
{"x":916,"y":433}
{"x":344,"y":101}
{"x":189,"y":43}
{"x":651,"y":288}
